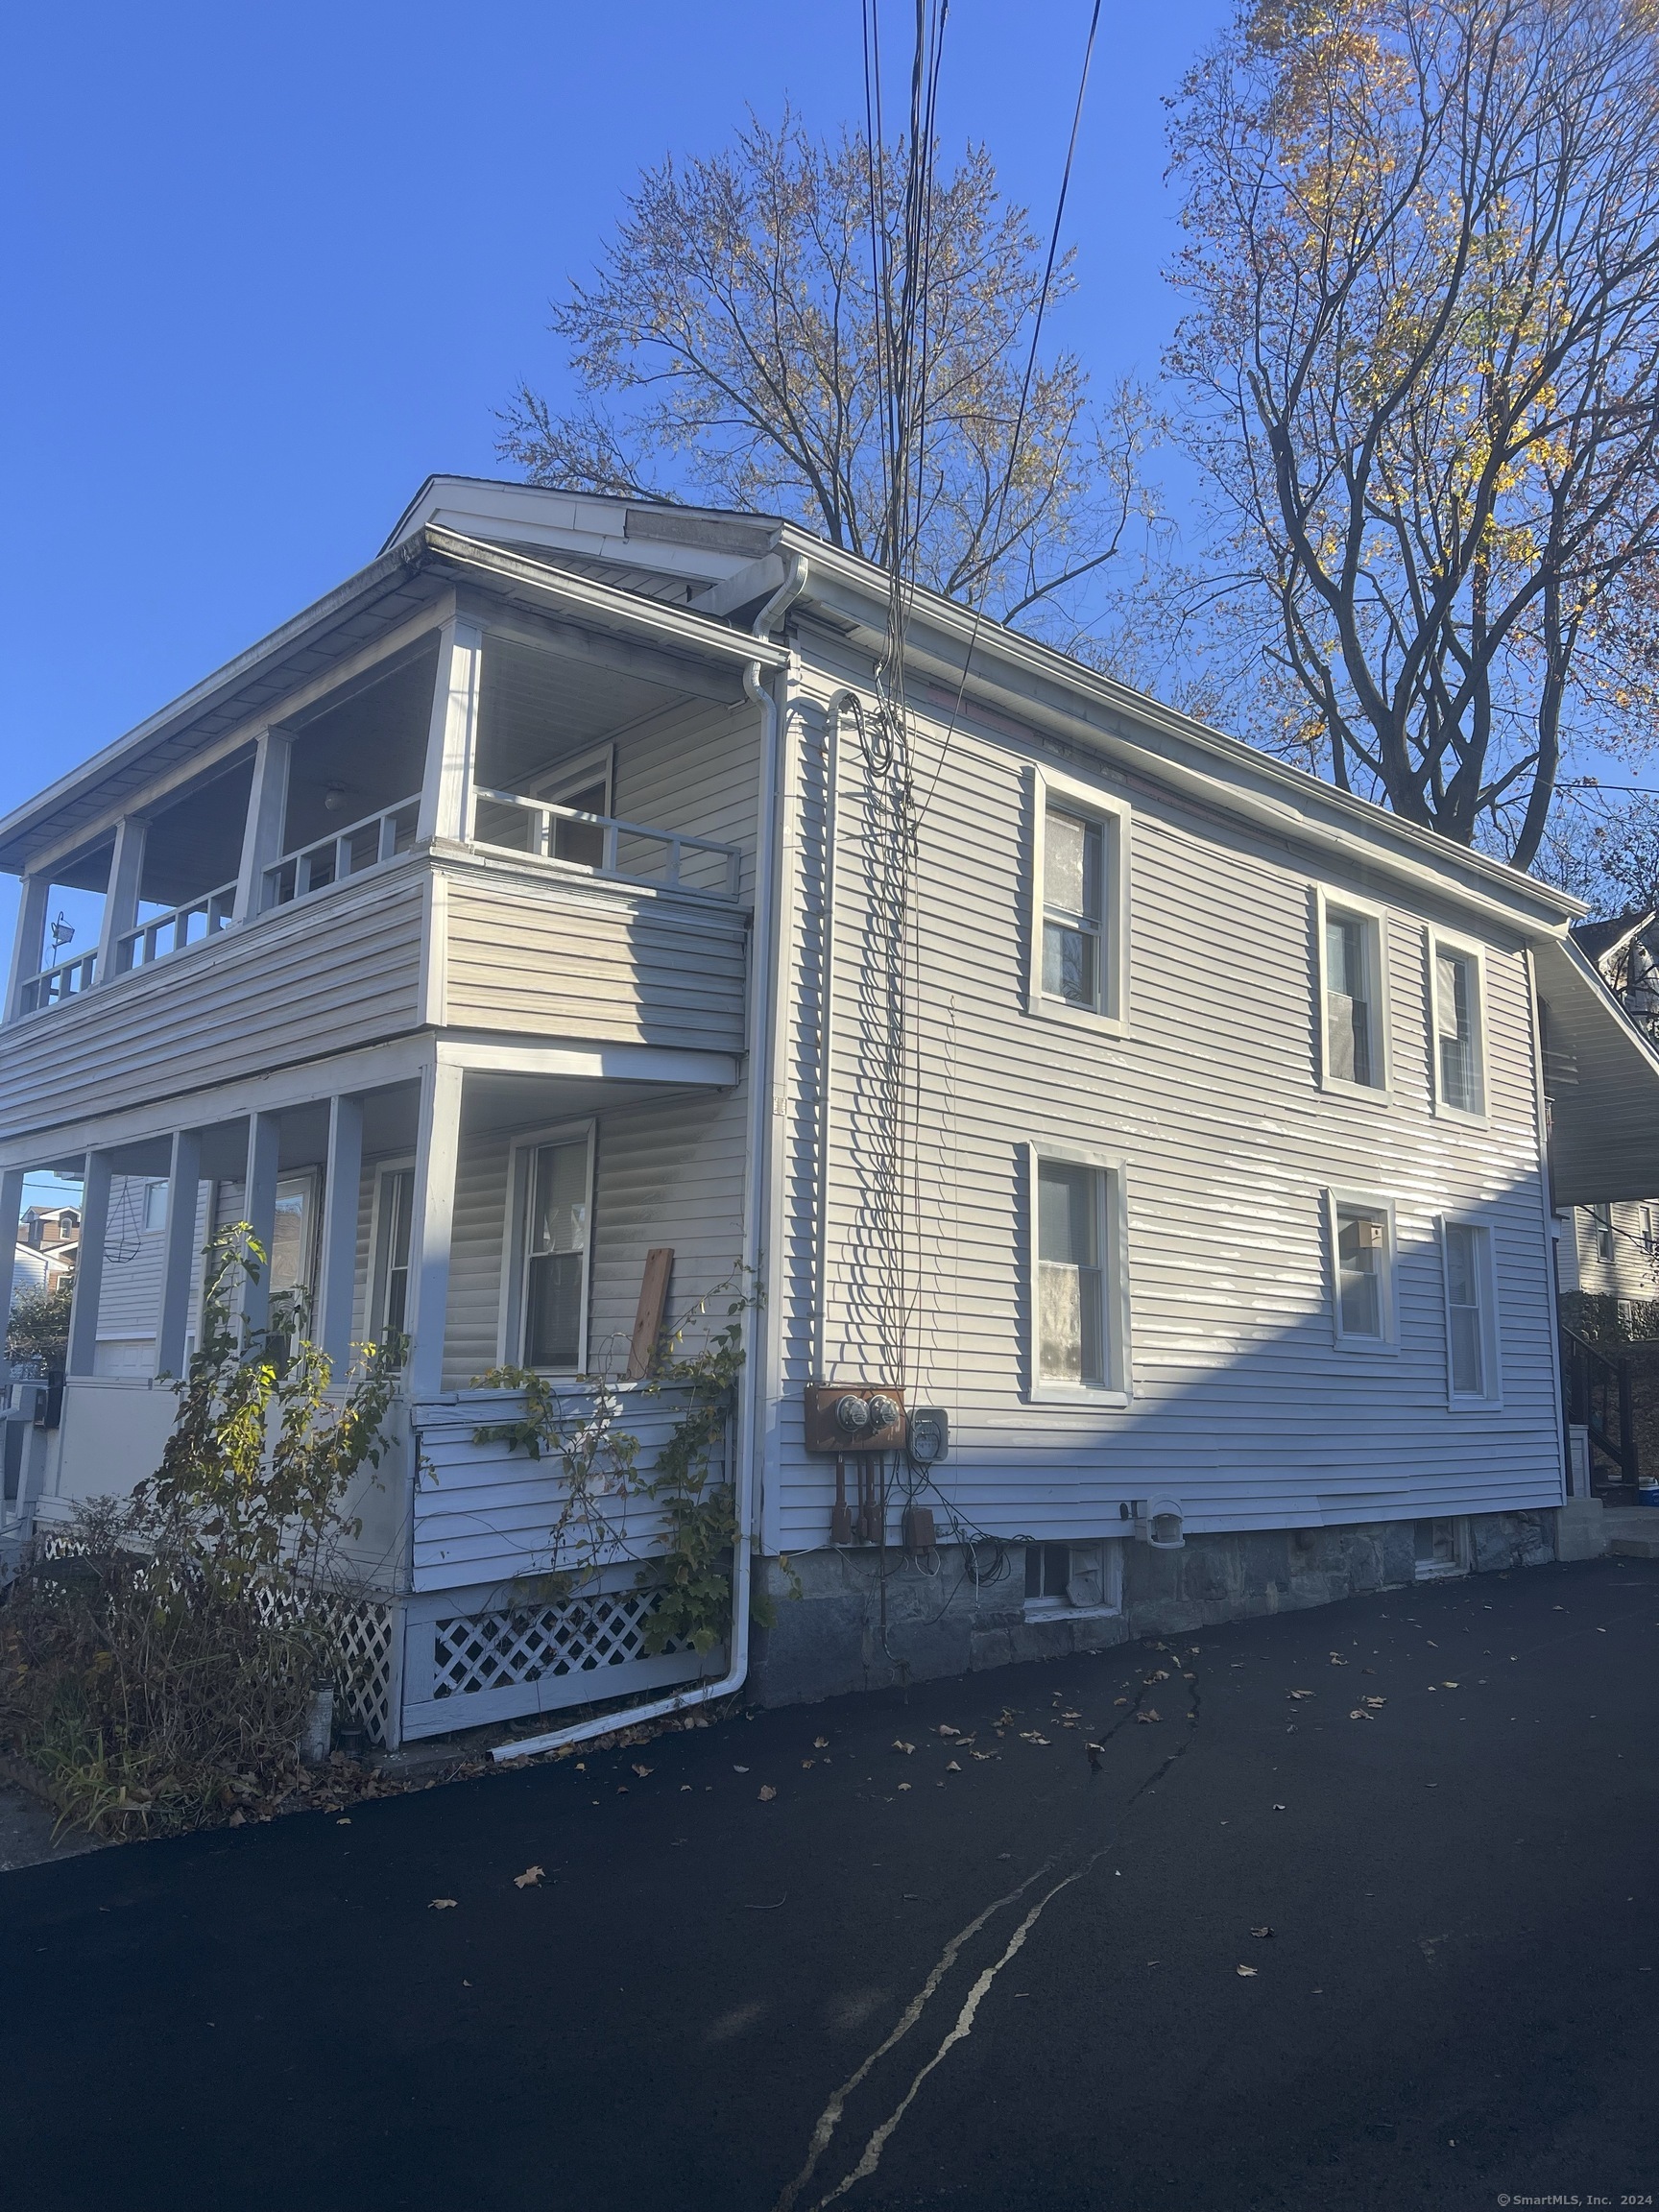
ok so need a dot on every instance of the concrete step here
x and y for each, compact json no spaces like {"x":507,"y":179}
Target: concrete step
{"x":1632,"y":1531}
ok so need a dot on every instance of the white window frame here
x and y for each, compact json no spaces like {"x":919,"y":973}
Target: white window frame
{"x":379,"y":1248}
{"x":597,"y":764}
{"x":1061,"y":1608}
{"x":1386,"y":1346}
{"x":515,"y":1254}
{"x":1111,"y":1017}
{"x":1112,"y":1230}
{"x":1438,"y":941}
{"x":1456,"y":1568}
{"x":1325,"y":901}
{"x":154,"y":1187}
{"x":1491,"y":1400}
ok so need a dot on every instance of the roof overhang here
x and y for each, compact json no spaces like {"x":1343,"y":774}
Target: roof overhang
{"x":1604,"y":1085}
{"x":394,"y":589}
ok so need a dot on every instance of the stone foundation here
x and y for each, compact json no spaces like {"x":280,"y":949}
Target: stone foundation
{"x":846,"y":1633}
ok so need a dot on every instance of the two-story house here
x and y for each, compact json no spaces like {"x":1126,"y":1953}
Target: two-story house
{"x":1160,"y":1133}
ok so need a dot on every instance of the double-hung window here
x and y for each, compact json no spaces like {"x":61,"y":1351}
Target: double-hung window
{"x":1471,"y":1313}
{"x":1459,"y":1056}
{"x":1079,"y":1325}
{"x":544,"y":1322}
{"x":1362,"y":1249}
{"x":395,"y":1212}
{"x":1079,"y":926}
{"x":1352,"y":996}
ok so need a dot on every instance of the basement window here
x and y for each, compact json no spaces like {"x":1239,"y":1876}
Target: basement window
{"x":1442,"y":1548}
{"x":1086,"y":1577}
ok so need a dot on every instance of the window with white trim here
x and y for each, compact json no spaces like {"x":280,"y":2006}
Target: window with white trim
{"x":1353,"y":1029}
{"x":154,"y":1207}
{"x":1363,"y":1243}
{"x":396,"y":1215}
{"x":553,"y":1296}
{"x":1459,"y":1056}
{"x":1076,"y":1276}
{"x":1471,"y":1313}
{"x":1079,"y":926}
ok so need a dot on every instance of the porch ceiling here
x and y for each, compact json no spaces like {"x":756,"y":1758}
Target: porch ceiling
{"x":1603,"y":1081}
{"x":493,"y":1102}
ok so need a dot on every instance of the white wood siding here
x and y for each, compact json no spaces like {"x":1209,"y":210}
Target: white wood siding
{"x":1242,"y":1405}
{"x":336,"y":973}
{"x":664,"y":1174}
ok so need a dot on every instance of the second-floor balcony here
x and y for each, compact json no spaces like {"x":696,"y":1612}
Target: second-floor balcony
{"x":565,"y":854}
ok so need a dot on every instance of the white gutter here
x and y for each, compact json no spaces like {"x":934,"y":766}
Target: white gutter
{"x":763,"y":1052}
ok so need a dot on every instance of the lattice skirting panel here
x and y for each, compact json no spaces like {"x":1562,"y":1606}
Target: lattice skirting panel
{"x":361,"y":1632}
{"x":470,"y":1658}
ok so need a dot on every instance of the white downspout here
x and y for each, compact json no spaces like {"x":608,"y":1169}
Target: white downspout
{"x":763,"y":951}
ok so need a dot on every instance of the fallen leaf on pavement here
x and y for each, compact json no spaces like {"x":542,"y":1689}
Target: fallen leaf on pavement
{"x":904,"y":1785}
{"x":1120,"y":1700}
{"x":640,"y":1771}
{"x":1448,"y":1685}
{"x":1376,"y":1703}
{"x":805,"y":1763}
{"x":739,"y":1770}
{"x":529,"y":1878}
{"x":899,"y":1745}
{"x":1151,"y":1714}
{"x":342,"y":1823}
{"x":1261,"y":1931}
{"x":944,"y":1729}
{"x":767,"y":1792}
{"x":441,"y":1904}
{"x":953,"y":1766}
{"x":1303,"y":1693}
{"x":820,"y":1743}
{"x":1278,"y":1808}
{"x":1244,"y":1970}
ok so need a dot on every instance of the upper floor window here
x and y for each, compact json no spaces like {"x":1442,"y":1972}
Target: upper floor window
{"x":1362,"y":1247}
{"x":1459,"y":1056}
{"x":1078,"y":1280}
{"x":1078,"y":936}
{"x":1353,"y":997}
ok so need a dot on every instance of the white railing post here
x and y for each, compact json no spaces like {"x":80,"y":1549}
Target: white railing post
{"x":447,"y":787}
{"x":29,"y":941}
{"x":179,"y":1255}
{"x":337,"y":1249}
{"x":262,"y":837}
{"x":436,"y":1153}
{"x":121,"y":898}
{"x":10,"y":1212}
{"x":83,"y":1356}
{"x":259,"y":1212}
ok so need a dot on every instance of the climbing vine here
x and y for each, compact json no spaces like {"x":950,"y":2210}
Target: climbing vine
{"x":599,"y":1457}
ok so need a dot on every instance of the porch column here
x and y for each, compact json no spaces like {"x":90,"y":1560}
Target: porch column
{"x":11,"y":1207}
{"x":262,"y":835}
{"x":30,"y":935}
{"x":337,"y":1252}
{"x":259,"y":1212}
{"x":179,"y":1253}
{"x":121,"y":898}
{"x":89,"y":1267}
{"x":431,"y":1225}
{"x":446,"y":788}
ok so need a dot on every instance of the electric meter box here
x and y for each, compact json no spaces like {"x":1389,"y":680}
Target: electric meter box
{"x":846,"y":1418}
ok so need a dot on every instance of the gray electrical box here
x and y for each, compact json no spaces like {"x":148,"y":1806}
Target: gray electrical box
{"x":929,"y":1435}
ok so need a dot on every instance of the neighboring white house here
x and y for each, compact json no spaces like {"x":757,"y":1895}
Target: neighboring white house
{"x":1166,"y":1128}
{"x":1612,"y":1248}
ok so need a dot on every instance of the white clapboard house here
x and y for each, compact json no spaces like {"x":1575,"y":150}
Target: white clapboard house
{"x":1173,"y":1138}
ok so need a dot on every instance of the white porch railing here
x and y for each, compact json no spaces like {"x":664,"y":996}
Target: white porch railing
{"x":54,"y":985}
{"x":186,"y":925}
{"x":347,"y":853}
{"x":603,"y":845}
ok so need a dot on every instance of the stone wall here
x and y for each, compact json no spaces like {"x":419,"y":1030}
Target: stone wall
{"x":853,"y":1628}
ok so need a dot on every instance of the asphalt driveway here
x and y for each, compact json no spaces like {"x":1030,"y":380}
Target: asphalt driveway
{"x":1367,"y":1915}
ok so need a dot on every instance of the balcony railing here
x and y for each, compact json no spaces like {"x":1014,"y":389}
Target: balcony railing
{"x":172,"y":931}
{"x":347,"y":853}
{"x":54,"y":985}
{"x":601,"y":845}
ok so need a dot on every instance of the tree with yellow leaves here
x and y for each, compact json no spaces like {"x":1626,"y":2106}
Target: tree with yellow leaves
{"x":1421,"y":359}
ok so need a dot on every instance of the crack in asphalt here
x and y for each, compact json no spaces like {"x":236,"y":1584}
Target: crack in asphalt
{"x":829,"y":2119}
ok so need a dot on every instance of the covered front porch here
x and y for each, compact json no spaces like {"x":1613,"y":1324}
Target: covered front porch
{"x":496,"y":1203}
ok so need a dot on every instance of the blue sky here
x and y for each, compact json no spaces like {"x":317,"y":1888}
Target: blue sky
{"x":267,"y":268}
